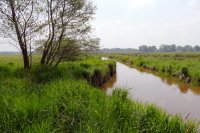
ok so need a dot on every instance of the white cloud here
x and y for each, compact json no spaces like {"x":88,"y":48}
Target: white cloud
{"x":194,"y":2}
{"x":141,"y":4}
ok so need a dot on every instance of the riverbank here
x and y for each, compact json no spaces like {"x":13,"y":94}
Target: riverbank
{"x":147,"y":87}
{"x":63,"y":99}
{"x":183,"y":67}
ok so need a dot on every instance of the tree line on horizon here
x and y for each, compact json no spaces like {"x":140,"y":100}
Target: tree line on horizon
{"x":161,"y":48}
{"x":169,"y":48}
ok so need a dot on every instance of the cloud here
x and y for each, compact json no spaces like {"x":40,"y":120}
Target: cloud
{"x":141,"y":4}
{"x":194,"y":4}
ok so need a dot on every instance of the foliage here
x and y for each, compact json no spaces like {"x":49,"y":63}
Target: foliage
{"x":169,"y":48}
{"x":65,"y":35}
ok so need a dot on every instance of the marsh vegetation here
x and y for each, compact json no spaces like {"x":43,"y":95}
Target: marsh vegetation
{"x":182,"y":66}
{"x":62,"y":99}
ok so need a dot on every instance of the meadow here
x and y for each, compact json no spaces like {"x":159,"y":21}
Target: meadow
{"x":67,"y":98}
{"x":181,"y":66}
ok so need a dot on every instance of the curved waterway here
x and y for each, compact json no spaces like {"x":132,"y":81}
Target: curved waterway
{"x":163,"y":92}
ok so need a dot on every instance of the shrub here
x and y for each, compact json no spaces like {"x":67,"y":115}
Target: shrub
{"x":163,"y":69}
{"x":184,"y":70}
{"x":141,"y":63}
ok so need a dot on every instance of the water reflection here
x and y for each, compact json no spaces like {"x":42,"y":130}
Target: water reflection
{"x":166,"y":93}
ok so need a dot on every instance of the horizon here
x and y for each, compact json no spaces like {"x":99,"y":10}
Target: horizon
{"x":102,"y":48}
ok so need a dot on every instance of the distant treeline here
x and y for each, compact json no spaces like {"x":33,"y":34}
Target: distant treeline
{"x":161,"y":48}
{"x":118,"y":50}
{"x":169,"y":48}
{"x":9,"y":53}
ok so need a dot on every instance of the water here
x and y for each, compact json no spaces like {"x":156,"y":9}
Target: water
{"x":165,"y":93}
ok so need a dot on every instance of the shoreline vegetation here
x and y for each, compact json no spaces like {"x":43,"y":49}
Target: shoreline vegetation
{"x":184,"y":67}
{"x":66,"y":98}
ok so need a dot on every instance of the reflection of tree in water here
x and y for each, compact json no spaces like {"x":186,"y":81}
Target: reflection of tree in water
{"x":110,"y":83}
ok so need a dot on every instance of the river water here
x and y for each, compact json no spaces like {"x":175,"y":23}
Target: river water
{"x":163,"y":92}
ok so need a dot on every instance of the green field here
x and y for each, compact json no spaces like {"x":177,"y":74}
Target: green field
{"x":67,"y":98}
{"x":182,"y":66}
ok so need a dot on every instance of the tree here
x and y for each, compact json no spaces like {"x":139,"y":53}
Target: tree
{"x":144,"y":48}
{"x":163,"y":48}
{"x":152,"y":49}
{"x":187,"y":48}
{"x":64,"y":19}
{"x":18,"y":20}
{"x":70,"y":50}
{"x":179,"y":48}
{"x":197,"y":48}
{"x":48,"y":25}
{"x":173,"y":48}
{"x":167,"y":48}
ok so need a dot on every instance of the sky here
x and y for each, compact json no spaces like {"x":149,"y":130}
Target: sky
{"x":131,"y":23}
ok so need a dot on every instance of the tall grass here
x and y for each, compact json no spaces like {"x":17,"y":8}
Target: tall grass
{"x":183,"y":66}
{"x":62,"y":99}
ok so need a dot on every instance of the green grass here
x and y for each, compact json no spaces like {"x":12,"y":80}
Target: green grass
{"x":166,"y":64}
{"x":62,"y":99}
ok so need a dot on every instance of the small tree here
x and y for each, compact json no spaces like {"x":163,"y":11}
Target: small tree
{"x":64,"y":19}
{"x":18,"y":19}
{"x":70,"y":50}
{"x":60,"y":26}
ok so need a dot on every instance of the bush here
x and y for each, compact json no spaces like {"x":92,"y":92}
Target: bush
{"x":163,"y":69}
{"x":184,"y":70}
{"x":141,"y":63}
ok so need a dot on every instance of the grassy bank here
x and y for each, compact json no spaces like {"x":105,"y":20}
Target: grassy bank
{"x":182,"y":66}
{"x":62,"y":99}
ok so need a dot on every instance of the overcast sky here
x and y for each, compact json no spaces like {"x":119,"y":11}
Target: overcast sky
{"x":130,"y":23}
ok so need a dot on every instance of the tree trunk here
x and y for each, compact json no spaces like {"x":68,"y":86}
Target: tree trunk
{"x":42,"y":61}
{"x":22,"y":44}
{"x":26,"y":60}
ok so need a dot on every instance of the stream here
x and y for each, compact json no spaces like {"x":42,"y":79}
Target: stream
{"x":163,"y":92}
